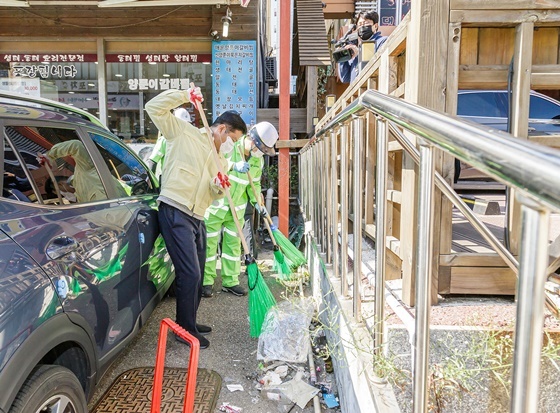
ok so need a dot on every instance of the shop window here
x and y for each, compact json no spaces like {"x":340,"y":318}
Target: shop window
{"x":131,"y":85}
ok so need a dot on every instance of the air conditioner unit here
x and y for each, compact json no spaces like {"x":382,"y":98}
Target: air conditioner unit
{"x":270,"y":76}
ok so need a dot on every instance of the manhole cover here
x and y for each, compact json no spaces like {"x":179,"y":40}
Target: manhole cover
{"x":131,"y":392}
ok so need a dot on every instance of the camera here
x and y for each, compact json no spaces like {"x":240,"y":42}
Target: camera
{"x":340,"y":53}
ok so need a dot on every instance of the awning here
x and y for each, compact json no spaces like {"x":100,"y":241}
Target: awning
{"x":311,"y":34}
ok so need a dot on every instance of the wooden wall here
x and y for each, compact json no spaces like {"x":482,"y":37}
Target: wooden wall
{"x":127,"y":22}
{"x":434,"y":52}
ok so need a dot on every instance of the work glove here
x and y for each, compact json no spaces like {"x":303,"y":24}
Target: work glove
{"x":221,"y":181}
{"x":241,"y":167}
{"x":261,"y":210}
{"x":195,"y":95}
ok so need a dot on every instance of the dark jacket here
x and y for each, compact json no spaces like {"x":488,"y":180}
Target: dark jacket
{"x":348,"y":71}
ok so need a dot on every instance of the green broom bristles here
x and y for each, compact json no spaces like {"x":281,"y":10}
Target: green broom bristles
{"x":291,"y":253}
{"x":260,"y":299}
{"x":280,"y":264}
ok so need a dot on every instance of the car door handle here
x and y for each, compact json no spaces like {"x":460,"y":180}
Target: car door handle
{"x":61,"y":246}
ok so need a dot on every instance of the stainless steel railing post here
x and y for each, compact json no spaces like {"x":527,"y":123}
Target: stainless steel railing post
{"x":424,"y":249}
{"x":328,"y":198}
{"x":321,"y":182}
{"x":533,"y":262}
{"x":344,"y":209}
{"x":380,"y":231}
{"x":358,"y":132}
{"x":334,"y":204}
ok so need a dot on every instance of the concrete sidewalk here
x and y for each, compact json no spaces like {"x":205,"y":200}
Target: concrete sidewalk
{"x":232,"y":352}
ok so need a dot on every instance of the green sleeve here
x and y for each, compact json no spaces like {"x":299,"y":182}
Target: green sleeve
{"x":256,"y":165}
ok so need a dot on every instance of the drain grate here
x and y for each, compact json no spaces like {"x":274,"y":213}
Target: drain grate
{"x":131,"y":392}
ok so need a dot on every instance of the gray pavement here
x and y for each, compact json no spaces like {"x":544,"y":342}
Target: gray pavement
{"x":232,"y":352}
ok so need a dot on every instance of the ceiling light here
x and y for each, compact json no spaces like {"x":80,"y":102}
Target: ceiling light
{"x":91,"y":84}
{"x":109,"y":3}
{"x":71,"y":93}
{"x":152,"y":63}
{"x":13,"y":3}
{"x":118,"y":75}
{"x":226,"y":21}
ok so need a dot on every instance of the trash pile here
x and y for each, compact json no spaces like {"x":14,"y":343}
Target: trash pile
{"x":289,"y":374}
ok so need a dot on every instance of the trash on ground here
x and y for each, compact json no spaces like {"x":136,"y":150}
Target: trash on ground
{"x":285,"y":331}
{"x":298,"y":391}
{"x":282,"y":371}
{"x":234,"y":387}
{"x":330,"y":400}
{"x":272,"y":366}
{"x":228,"y":408}
{"x":270,"y":379}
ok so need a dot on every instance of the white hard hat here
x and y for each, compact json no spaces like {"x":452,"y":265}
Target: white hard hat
{"x":264,"y":135}
{"x":182,"y":113}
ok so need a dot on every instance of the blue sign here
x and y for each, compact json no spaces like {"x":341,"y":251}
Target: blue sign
{"x":234,"y":78}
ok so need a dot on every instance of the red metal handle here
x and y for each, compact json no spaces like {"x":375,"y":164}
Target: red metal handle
{"x":190,"y":386}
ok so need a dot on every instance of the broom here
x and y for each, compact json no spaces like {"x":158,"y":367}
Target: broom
{"x":280,"y":265}
{"x":260,"y":297}
{"x":294,"y":257}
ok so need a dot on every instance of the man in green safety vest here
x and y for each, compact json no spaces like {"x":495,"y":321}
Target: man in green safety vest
{"x":247,"y":156}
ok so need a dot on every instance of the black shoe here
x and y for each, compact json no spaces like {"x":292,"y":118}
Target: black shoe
{"x":235,"y":290}
{"x":207,"y":291}
{"x":204,"y":343}
{"x":203,"y":329}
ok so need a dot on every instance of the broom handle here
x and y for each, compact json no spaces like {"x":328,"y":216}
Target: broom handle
{"x":258,"y":198}
{"x":219,"y":166}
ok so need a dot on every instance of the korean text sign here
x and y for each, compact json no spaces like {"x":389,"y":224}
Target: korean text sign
{"x":234,"y":78}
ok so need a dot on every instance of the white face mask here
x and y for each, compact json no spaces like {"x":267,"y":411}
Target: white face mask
{"x":227,"y":146}
{"x":257,"y":153}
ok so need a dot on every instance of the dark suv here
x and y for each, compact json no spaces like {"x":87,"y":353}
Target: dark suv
{"x":82,"y":264}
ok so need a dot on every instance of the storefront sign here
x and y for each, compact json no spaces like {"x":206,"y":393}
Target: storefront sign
{"x":158,"y":84}
{"x":30,"y":87}
{"x":158,"y":58}
{"x":47,"y":58}
{"x":91,"y":101}
{"x":234,"y":67}
{"x":388,"y":12}
{"x":44,"y":71}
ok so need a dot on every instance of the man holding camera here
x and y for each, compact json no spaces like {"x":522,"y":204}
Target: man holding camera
{"x":367,"y":29}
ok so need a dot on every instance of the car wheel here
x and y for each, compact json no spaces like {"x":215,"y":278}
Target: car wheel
{"x":50,"y":389}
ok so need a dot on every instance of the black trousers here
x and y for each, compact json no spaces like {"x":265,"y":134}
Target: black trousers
{"x":185,"y":238}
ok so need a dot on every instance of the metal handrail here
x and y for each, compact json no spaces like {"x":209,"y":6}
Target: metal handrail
{"x":522,"y":164}
{"x":531,"y":169}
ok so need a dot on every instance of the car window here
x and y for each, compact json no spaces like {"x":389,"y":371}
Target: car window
{"x":16,"y":184}
{"x":480,"y":104}
{"x":67,"y":176}
{"x":123,"y":165}
{"x":540,"y":108}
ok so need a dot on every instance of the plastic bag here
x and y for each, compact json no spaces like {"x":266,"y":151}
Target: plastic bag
{"x":285,"y":331}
